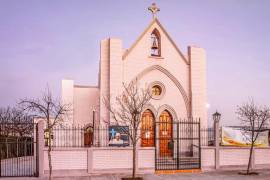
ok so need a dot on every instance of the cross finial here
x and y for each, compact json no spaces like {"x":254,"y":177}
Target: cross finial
{"x":154,"y":9}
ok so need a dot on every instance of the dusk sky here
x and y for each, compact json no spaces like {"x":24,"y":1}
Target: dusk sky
{"x":43,"y":42}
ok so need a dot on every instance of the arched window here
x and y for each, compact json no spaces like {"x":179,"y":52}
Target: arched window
{"x":148,"y":129}
{"x":155,"y":43}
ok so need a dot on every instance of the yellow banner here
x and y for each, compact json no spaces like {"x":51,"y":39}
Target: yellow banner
{"x":231,"y":136}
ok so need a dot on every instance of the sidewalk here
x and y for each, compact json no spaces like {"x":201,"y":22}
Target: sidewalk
{"x":216,"y":175}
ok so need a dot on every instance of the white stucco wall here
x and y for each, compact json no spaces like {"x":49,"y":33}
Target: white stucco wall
{"x":86,"y":99}
{"x":119,"y":160}
{"x":171,"y":97}
{"x":67,"y":98}
{"x":139,"y":58}
{"x":198,"y":83}
{"x":138,"y":64}
{"x":67,"y":159}
{"x":208,"y":157}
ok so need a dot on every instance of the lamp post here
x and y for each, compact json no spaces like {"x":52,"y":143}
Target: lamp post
{"x":216,"y":116}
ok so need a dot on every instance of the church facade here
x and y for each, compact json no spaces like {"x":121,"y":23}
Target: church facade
{"x":176,"y":79}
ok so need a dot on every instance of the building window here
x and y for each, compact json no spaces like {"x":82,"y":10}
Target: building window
{"x":156,"y":90}
{"x":155,"y":43}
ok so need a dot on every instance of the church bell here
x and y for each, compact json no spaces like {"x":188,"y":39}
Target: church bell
{"x":154,"y":45}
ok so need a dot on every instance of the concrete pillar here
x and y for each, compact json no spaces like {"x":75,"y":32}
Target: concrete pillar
{"x":40,"y":144}
{"x":197,"y":58}
{"x":89,"y":160}
{"x":104,"y":78}
{"x":217,"y":147}
{"x":116,"y":79}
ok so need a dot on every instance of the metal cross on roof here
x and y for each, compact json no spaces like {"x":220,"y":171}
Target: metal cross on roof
{"x":154,"y":9}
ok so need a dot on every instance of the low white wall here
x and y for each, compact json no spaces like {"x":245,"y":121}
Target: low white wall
{"x":67,"y":159}
{"x":105,"y":158}
{"x":119,"y":159}
{"x":234,"y":157}
{"x":208,"y":157}
{"x":262,"y":156}
{"x":114,"y":159}
{"x":146,"y":158}
{"x":96,"y":160}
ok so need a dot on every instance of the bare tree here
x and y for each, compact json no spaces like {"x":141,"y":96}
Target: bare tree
{"x":15,"y":122}
{"x":49,"y":109}
{"x":254,"y":120}
{"x":127,"y":110}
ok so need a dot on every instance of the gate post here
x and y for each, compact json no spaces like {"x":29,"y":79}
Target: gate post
{"x":177,"y":139}
{"x":40,"y":148}
{"x":217,"y":133}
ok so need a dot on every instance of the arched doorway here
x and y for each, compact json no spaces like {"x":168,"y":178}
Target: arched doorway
{"x":148,"y":129}
{"x":165,"y":134}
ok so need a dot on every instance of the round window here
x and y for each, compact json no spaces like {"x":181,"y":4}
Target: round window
{"x":156,"y":90}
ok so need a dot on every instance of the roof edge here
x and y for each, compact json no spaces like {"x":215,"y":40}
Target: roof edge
{"x":126,"y":53}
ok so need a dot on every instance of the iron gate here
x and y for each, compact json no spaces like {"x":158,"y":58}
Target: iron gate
{"x":177,"y":145}
{"x":18,"y":150}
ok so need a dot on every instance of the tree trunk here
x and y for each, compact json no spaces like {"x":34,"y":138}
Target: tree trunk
{"x":49,"y":156}
{"x":134,"y":161}
{"x":250,"y":158}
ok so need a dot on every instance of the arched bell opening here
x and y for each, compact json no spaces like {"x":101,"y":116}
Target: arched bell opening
{"x":155,"y":43}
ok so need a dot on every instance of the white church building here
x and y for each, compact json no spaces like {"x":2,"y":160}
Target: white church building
{"x":176,"y":78}
{"x":177,"y":81}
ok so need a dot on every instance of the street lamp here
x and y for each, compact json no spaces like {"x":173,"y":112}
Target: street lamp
{"x":216,"y":116}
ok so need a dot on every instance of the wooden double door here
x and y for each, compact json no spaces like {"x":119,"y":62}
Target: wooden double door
{"x":164,"y":129}
{"x":165,"y":134}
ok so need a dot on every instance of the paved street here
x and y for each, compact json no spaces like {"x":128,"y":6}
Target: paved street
{"x":220,"y":175}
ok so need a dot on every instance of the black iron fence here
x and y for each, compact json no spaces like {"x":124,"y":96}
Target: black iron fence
{"x":207,"y":136}
{"x":15,"y":147}
{"x":102,"y":136}
{"x":18,"y":150}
